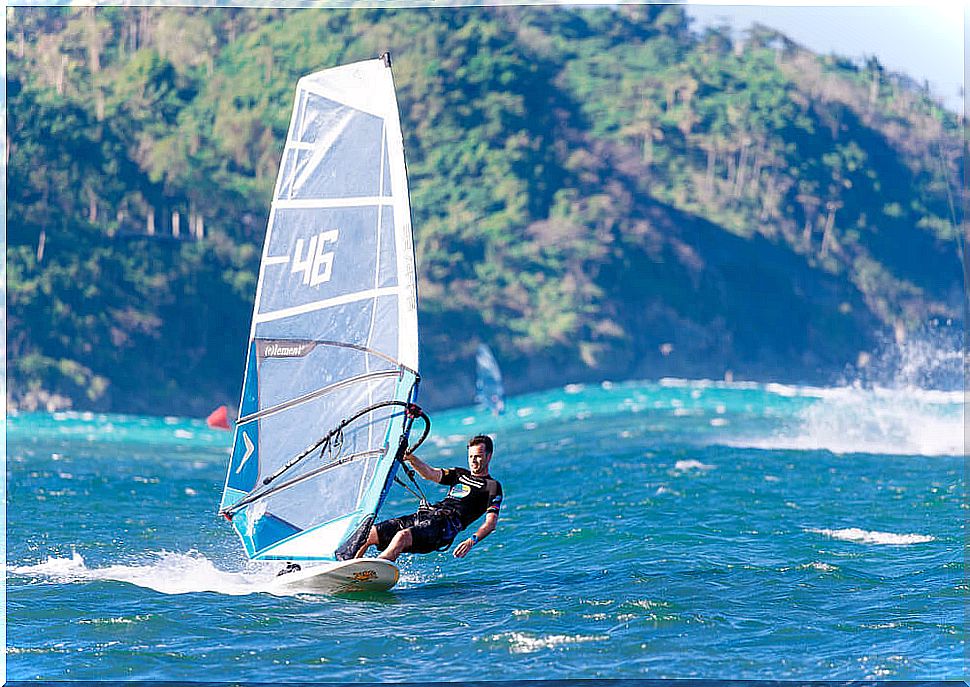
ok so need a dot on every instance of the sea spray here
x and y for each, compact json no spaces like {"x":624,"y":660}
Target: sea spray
{"x":166,"y":572}
{"x":928,"y":359}
{"x":879,"y":421}
{"x":907,"y":400}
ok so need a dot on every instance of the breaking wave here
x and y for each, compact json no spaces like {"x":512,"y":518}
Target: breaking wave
{"x":877,"y":421}
{"x":854,"y":534}
{"x":910,"y":401}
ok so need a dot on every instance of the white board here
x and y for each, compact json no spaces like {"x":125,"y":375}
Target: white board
{"x":355,"y":575}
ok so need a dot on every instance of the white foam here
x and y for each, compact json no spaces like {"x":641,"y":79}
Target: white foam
{"x":523,"y":643}
{"x":66,"y":569}
{"x":168,"y":573}
{"x":409,"y":577}
{"x":114,"y":621}
{"x":676,"y":383}
{"x":782,"y":390}
{"x":855,"y":534}
{"x":817,"y":565}
{"x":687,"y":465}
{"x":875,"y":421}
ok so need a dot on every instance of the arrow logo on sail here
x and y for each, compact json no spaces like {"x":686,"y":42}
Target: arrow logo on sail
{"x":249,"y":452}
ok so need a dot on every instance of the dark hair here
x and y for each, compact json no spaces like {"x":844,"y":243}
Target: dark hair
{"x":482,"y":439}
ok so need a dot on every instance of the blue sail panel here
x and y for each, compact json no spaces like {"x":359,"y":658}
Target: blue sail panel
{"x":244,"y":460}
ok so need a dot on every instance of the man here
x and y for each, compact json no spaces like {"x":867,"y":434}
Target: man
{"x":473,"y":493}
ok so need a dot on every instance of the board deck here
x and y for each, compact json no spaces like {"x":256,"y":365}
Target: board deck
{"x":356,"y":575}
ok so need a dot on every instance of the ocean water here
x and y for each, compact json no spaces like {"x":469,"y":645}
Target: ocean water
{"x":667,"y":529}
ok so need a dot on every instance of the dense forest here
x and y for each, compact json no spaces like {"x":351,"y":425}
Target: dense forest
{"x":596,"y":193}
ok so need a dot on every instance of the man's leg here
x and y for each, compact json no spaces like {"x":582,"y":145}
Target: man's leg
{"x":399,"y":544}
{"x":371,"y":541}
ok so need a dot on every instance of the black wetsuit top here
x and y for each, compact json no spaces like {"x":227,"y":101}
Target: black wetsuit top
{"x":470,"y":497}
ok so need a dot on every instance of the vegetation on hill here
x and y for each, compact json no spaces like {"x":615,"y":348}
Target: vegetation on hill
{"x":595,"y":193}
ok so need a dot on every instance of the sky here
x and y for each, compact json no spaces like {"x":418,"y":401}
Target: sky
{"x":925,"y":42}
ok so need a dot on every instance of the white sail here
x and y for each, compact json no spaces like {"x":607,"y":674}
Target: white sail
{"x":334,"y":328}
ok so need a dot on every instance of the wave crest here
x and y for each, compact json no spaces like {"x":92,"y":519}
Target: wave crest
{"x":855,"y":534}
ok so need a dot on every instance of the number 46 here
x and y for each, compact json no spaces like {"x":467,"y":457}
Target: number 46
{"x":317,"y":265}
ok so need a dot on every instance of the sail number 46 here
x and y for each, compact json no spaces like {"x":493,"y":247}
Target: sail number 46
{"x":317,"y":264}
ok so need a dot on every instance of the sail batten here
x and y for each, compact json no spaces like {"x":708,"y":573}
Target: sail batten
{"x":255,"y":496}
{"x":286,"y":405}
{"x":333,"y":342}
{"x":349,"y":202}
{"x":307,"y":308}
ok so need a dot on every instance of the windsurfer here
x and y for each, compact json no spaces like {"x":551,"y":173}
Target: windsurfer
{"x":473,"y":493}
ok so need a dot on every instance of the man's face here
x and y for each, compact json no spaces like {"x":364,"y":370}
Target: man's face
{"x":477,"y":459}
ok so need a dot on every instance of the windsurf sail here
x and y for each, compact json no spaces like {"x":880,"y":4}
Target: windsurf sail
{"x":333,"y":347}
{"x":489,"y":390}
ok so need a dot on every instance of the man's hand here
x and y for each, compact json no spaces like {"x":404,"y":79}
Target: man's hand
{"x":462,"y":549}
{"x":423,"y":469}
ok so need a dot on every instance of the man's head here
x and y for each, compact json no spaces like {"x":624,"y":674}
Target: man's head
{"x":479,"y":454}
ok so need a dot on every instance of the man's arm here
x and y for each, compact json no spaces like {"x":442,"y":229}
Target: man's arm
{"x":425,"y":470}
{"x":486,"y":528}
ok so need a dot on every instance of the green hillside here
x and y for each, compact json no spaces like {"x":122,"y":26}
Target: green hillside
{"x":596,"y":193}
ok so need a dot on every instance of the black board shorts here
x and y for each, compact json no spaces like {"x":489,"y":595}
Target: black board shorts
{"x":430,"y":531}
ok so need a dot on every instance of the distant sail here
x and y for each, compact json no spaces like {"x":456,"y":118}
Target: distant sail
{"x":334,"y":329}
{"x":489,"y":391}
{"x":218,"y":418}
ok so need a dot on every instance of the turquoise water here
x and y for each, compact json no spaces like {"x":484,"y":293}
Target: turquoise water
{"x":650,"y":530}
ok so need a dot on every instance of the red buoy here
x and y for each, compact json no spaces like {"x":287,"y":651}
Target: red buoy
{"x":218,"y":418}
